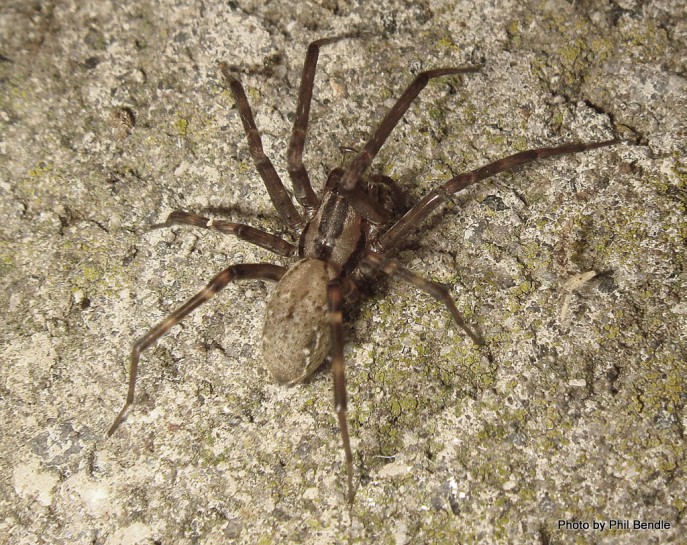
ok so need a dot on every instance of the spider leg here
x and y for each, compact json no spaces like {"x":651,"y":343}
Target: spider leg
{"x":241,"y":231}
{"x":256,"y":271}
{"x":334,"y":306}
{"x":275,"y":187}
{"x":363,"y":160}
{"x":294,"y":154}
{"x":436,"y":290}
{"x":434,"y":198}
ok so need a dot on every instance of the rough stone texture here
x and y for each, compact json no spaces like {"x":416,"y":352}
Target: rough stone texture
{"x":113,"y":116}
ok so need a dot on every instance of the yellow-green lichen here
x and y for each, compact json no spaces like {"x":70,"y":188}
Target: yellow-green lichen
{"x":40,"y":170}
{"x":181,"y":126}
{"x":446,"y":42}
{"x":91,"y":273}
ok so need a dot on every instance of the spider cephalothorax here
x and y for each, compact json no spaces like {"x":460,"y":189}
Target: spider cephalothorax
{"x":336,"y":233}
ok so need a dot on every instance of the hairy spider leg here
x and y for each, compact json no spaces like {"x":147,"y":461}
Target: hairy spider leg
{"x":294,"y":154}
{"x":440,"y":292}
{"x":411,"y":219}
{"x":250,"y":271}
{"x":261,"y":238}
{"x":362,"y":161}
{"x":335,"y":298}
{"x":278,"y":194}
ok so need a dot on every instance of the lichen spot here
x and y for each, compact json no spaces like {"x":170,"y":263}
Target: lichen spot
{"x":296,"y":339}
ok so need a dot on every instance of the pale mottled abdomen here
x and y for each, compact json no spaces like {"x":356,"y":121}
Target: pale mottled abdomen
{"x":296,"y":337}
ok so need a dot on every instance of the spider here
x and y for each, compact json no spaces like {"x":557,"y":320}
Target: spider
{"x":344,"y":228}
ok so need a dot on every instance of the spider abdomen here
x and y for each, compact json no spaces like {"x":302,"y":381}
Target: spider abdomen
{"x":296,"y":339}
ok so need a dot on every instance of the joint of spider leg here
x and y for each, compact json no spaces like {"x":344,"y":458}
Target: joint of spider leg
{"x":389,"y":266}
{"x":442,"y":195}
{"x":224,"y":68}
{"x":240,"y":230}
{"x":349,"y":291}
{"x":294,"y":142}
{"x":335,"y":316}
{"x":217,"y":283}
{"x":356,"y":169}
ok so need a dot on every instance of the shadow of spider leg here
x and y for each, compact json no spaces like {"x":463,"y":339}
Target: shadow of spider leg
{"x":250,"y":271}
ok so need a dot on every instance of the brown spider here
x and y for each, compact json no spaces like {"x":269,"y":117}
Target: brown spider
{"x":343,"y":229}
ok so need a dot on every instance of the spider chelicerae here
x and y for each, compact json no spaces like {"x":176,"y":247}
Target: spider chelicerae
{"x":344,"y":228}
